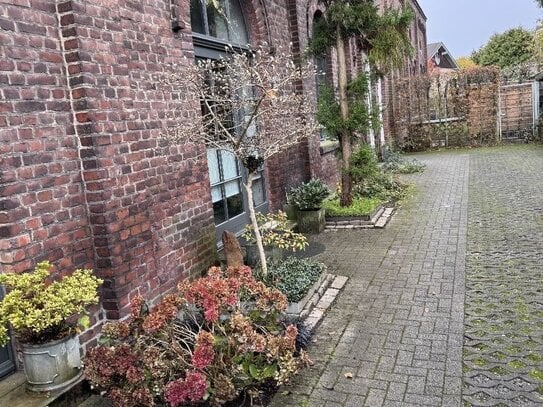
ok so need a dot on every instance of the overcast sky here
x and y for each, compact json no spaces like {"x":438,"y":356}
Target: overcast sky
{"x":466,"y":25}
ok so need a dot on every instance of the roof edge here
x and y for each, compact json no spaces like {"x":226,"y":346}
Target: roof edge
{"x":417,"y":5}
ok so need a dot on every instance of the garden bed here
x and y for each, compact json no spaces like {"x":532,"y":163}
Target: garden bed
{"x":377,"y":221}
{"x":362,"y":208}
{"x":303,"y":307}
{"x":362,"y":218}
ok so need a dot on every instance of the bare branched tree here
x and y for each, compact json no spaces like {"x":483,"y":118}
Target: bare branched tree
{"x":251,"y":107}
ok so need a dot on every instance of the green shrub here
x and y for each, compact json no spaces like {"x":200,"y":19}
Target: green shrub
{"x":397,"y":163}
{"x":295,"y":276}
{"x":276,"y":231}
{"x":38,"y":310}
{"x":363,"y":163}
{"x":309,"y":195}
{"x":383,"y":186}
{"x":360,"y":207}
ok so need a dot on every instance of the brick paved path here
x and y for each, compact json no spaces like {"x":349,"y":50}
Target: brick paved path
{"x":398,"y":326}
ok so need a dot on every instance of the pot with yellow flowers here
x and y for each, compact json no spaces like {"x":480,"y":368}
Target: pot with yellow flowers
{"x":45,"y":315}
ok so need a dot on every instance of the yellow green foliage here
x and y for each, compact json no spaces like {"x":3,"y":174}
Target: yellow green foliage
{"x":276,"y":232}
{"x":38,"y":309}
{"x":466,"y":63}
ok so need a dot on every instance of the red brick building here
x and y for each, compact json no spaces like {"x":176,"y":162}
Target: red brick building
{"x":86,"y":180}
{"x":416,"y":65}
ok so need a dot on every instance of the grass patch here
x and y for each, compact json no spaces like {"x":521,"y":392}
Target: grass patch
{"x":534,"y":357}
{"x":499,"y":370}
{"x":480,"y":362}
{"x":359,"y":207}
{"x":516,"y":364}
{"x":536,"y":374}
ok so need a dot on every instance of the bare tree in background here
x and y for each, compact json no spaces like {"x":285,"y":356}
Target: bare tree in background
{"x":250,"y":107}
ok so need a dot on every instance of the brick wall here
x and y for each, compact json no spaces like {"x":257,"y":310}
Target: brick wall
{"x":416,"y":65}
{"x":87,"y":180}
{"x":42,"y":207}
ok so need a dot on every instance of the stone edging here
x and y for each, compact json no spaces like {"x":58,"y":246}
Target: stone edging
{"x":377,"y":221}
{"x":316,"y":311}
{"x":300,"y":309}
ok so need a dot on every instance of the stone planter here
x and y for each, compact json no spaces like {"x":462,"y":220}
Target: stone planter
{"x":52,"y":366}
{"x":275,"y":254}
{"x":311,"y":221}
{"x":291,"y":212}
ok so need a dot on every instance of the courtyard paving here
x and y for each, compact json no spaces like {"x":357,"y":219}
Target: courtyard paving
{"x":443,"y":307}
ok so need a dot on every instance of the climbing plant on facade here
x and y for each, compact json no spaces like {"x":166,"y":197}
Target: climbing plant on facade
{"x":383,"y":36}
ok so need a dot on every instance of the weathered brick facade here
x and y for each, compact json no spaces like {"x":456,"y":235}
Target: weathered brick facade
{"x":416,"y":65}
{"x":86,"y":180}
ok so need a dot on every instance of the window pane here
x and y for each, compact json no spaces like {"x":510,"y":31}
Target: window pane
{"x":213,"y":164}
{"x":238,"y":32}
{"x":196,"y":17}
{"x":216,"y":194}
{"x":231,"y":188}
{"x":258,"y":192}
{"x":229,"y":165}
{"x":217,"y":22}
{"x":219,"y":213}
{"x":235,"y":205}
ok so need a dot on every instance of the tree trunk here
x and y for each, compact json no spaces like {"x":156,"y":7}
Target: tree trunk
{"x":256,"y":230}
{"x":345,"y":139}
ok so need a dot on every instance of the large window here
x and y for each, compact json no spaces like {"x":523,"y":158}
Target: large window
{"x":225,"y":177}
{"x":226,"y":23}
{"x":321,"y":65}
{"x":212,"y":30}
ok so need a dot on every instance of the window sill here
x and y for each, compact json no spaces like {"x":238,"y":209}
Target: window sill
{"x":328,"y":146}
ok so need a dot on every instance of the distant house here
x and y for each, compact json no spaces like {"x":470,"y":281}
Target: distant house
{"x":440,"y":59}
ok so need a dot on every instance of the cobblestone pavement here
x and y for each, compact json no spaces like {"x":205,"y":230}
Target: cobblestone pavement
{"x":395,"y":335}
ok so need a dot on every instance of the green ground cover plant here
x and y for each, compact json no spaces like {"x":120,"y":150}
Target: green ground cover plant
{"x":362,"y":206}
{"x":397,"y":163}
{"x":295,"y":276}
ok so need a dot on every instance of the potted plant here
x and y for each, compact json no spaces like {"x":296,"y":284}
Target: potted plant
{"x":277,"y":236}
{"x":308,"y":199}
{"x":45,"y":315}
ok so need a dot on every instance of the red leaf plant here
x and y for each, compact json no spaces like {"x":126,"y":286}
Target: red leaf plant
{"x":221,"y":335}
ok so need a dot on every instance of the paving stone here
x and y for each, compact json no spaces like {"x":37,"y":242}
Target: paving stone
{"x":396,"y":391}
{"x":503,"y":276}
{"x":339,"y":282}
{"x":376,"y":397}
{"x":401,"y":313}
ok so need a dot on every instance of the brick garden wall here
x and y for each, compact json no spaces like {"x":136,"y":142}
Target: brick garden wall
{"x":87,"y":180}
{"x":415,"y":66}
